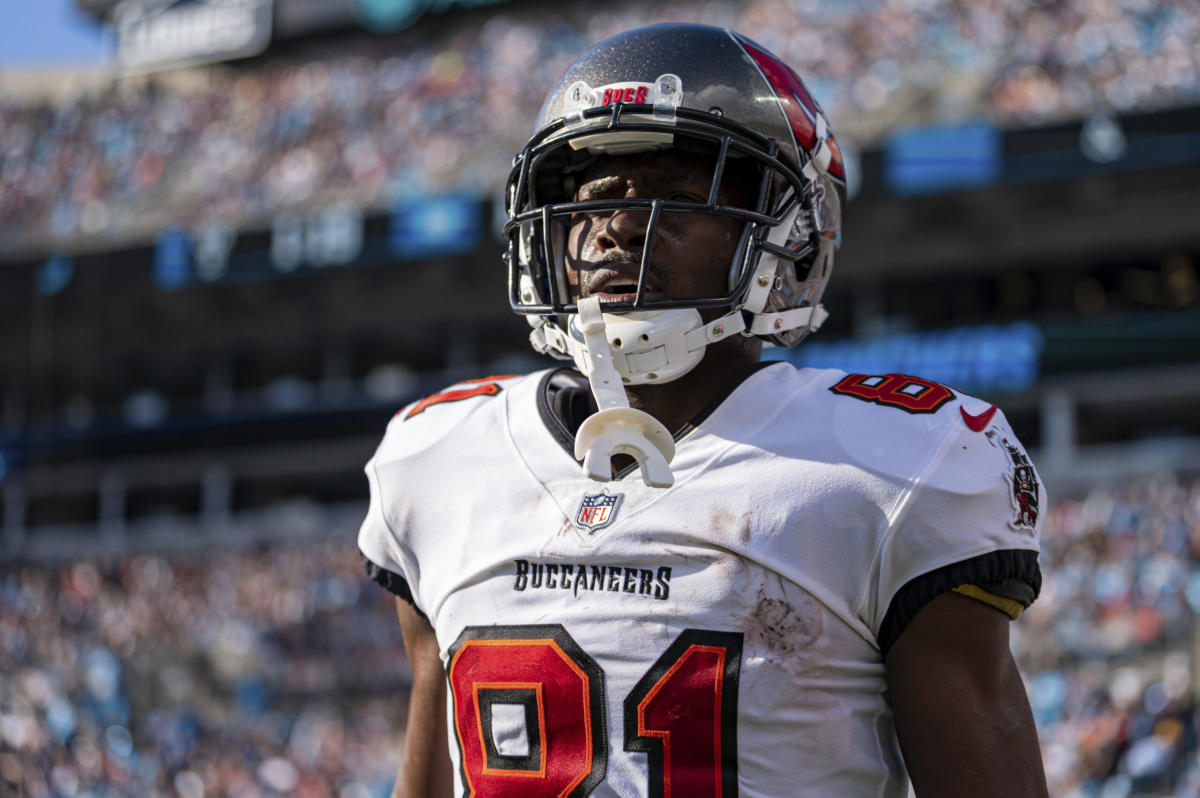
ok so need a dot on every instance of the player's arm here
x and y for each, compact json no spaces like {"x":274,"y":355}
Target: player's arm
{"x":425,"y":769}
{"x":961,"y":711}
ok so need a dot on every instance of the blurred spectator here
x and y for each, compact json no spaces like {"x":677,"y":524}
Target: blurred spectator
{"x":416,"y":112}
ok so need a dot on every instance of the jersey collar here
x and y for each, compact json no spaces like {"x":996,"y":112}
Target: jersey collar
{"x":564,"y":401}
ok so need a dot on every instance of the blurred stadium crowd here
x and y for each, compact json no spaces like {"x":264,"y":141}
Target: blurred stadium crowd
{"x":1106,"y":647}
{"x":246,"y":674}
{"x":280,"y":671}
{"x":419,"y":112}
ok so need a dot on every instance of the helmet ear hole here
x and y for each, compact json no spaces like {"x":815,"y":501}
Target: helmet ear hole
{"x":827,"y":206}
{"x":743,"y":260}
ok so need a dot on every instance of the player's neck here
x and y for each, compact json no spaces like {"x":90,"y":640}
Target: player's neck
{"x":678,"y":402}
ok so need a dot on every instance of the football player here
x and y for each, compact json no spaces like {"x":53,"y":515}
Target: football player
{"x":676,"y":570}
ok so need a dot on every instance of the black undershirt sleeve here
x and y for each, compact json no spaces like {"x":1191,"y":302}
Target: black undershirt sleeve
{"x":391,"y":582}
{"x":1010,"y":574}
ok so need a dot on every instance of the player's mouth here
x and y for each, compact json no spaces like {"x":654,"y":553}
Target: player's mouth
{"x":622,"y":288}
{"x":625,"y":292}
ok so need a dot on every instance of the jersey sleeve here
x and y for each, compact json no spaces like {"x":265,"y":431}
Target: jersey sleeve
{"x":970,"y":523}
{"x":412,"y":476}
{"x":387,"y":560}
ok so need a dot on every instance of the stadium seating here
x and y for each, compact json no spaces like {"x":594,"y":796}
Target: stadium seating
{"x":448,"y":111}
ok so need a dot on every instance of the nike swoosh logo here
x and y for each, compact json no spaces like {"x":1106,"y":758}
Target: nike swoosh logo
{"x":978,"y":422}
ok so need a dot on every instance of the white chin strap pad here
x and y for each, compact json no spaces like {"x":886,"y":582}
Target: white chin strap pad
{"x":647,"y":347}
{"x":617,"y":428}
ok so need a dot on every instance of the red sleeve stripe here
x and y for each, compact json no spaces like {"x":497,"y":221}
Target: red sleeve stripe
{"x":484,"y":389}
{"x":493,"y":378}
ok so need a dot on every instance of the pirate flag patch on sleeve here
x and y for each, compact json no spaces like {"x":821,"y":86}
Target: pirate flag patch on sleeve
{"x":1023,"y":481}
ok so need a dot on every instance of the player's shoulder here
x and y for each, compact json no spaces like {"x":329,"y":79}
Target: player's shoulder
{"x":890,"y":421}
{"x":456,"y":400}
{"x":893,"y":399}
{"x":460,"y":407}
{"x":888,"y":395}
{"x":901,"y":423}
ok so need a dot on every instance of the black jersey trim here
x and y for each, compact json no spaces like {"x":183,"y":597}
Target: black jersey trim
{"x":393,"y":583}
{"x":564,"y":402}
{"x":1012,"y":573}
{"x":559,"y":396}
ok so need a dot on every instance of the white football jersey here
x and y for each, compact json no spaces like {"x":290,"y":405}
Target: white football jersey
{"x":724,"y":636}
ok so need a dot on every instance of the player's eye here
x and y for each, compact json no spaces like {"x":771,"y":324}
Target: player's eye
{"x":602,"y":188}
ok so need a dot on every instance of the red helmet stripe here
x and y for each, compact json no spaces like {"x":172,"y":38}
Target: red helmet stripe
{"x":799,"y":106}
{"x":835,"y":162}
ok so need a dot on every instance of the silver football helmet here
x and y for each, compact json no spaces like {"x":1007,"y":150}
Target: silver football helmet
{"x":703,"y":90}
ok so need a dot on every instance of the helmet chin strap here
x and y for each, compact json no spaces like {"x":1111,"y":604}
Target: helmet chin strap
{"x":617,"y":428}
{"x":651,"y":347}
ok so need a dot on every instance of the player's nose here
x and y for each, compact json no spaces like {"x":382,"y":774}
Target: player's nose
{"x":623,"y":230}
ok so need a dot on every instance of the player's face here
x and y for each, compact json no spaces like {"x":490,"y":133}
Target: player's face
{"x":691,"y":252}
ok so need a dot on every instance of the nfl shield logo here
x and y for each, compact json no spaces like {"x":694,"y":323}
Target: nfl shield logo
{"x":597,"y":510}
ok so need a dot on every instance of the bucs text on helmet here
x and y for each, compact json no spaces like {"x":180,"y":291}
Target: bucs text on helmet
{"x":699,"y":89}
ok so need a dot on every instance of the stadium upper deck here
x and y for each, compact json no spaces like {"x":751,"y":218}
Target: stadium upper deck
{"x":422,"y":111}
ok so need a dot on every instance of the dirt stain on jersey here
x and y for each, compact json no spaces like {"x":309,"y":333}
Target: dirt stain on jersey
{"x":786,"y":664}
{"x":553,"y":545}
{"x":775,"y":621}
{"x":686,"y":556}
{"x":783,"y":625}
{"x":724,"y":521}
